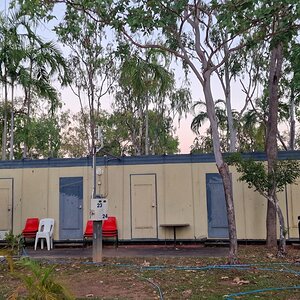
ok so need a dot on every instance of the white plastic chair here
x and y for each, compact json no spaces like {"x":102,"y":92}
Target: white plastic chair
{"x":45,"y":231}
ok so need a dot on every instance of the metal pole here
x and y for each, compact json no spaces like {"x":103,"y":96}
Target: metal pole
{"x":97,"y":225}
{"x":94,"y":172}
{"x":299,"y":226}
{"x":97,"y":241}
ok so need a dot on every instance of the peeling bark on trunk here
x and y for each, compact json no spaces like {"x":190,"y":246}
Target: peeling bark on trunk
{"x":282,"y":240}
{"x":273,"y":200}
{"x":276,"y":60}
{"x":224,"y":172}
{"x":271,"y":225}
{"x":222,"y":167}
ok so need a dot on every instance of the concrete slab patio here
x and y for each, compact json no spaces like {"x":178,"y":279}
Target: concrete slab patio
{"x":131,"y":251}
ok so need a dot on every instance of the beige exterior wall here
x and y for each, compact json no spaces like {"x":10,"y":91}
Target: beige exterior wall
{"x":180,"y":193}
{"x":293,"y":194}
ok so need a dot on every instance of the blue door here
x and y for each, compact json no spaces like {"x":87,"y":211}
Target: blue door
{"x":70,"y":208}
{"x":216,"y":207}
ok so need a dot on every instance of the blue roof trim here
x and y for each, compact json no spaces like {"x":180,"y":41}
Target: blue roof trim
{"x":162,"y":159}
{"x":133,"y":160}
{"x":282,"y":155}
{"x":45,"y":163}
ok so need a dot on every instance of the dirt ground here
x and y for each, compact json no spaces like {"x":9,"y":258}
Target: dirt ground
{"x":171,"y":277}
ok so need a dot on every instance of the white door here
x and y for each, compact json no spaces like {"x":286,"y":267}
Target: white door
{"x":6,"y":208}
{"x":143,"y":206}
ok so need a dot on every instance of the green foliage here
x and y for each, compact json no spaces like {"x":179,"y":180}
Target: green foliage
{"x":255,"y":173}
{"x":15,"y":243}
{"x":35,"y":8}
{"x":42,"y":136}
{"x":8,"y":257}
{"x":147,"y":91}
{"x":255,"y":26}
{"x":118,"y":130}
{"x":93,"y":64}
{"x":240,"y":16}
{"x":40,"y":284}
{"x":203,"y":143}
{"x":29,"y":65}
{"x":14,"y":246}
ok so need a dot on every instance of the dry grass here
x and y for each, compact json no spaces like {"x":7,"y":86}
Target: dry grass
{"x":174,"y":277}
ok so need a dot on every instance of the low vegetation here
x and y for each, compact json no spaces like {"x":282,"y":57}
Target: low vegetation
{"x":259,"y":274}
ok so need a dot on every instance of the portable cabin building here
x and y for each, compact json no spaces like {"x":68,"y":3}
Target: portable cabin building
{"x":143,"y":193}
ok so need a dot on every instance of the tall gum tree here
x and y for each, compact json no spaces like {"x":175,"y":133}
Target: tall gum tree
{"x":187,"y":29}
{"x":276,"y":24}
{"x":92,"y":64}
{"x":184,"y":29}
{"x":146,"y":84}
{"x":257,"y":176}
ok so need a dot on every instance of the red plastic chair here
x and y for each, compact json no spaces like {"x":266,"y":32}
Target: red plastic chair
{"x":88,"y":233}
{"x":88,"y":229}
{"x":110,"y":228}
{"x":31,"y":228}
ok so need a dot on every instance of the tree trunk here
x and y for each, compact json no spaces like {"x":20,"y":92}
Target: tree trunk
{"x":91,"y":99}
{"x":282,"y":240}
{"x":140,"y":140}
{"x":28,"y":120}
{"x":276,"y":60}
{"x":4,"y":132}
{"x":222,"y":167}
{"x":12,"y":125}
{"x":147,"y":127}
{"x":292,"y":120}
{"x":231,"y":128}
{"x":271,"y":225}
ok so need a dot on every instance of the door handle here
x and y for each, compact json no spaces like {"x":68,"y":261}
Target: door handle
{"x":80,"y":207}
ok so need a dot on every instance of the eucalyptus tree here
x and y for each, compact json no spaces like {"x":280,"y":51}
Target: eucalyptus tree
{"x":92,"y":63}
{"x":73,"y":135}
{"x":126,"y":129}
{"x":291,"y":87}
{"x":252,"y":132}
{"x":120,"y":126}
{"x":146,"y":83}
{"x":117,"y":130}
{"x":45,"y":131}
{"x":143,"y":79}
{"x":184,"y":29}
{"x":44,"y":140}
{"x":257,"y":176}
{"x":278,"y":26}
